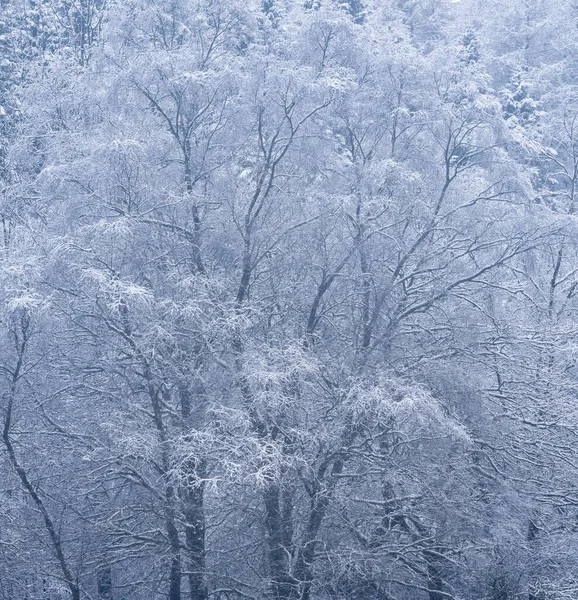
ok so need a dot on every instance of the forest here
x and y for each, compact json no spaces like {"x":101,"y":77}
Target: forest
{"x":288,"y":293}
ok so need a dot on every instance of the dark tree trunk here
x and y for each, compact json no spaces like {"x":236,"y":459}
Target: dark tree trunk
{"x":282,"y":584}
{"x":195,"y":532}
{"x":175,"y":569}
{"x":192,"y":497}
{"x":104,"y":583}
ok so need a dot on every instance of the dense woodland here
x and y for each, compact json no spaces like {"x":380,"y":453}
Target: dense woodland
{"x":288,"y":299}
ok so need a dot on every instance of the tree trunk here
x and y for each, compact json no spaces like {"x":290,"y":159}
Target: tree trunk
{"x":175,"y":569}
{"x":282,"y":584}
{"x":104,"y":583}
{"x":192,"y":497}
{"x":195,"y":532}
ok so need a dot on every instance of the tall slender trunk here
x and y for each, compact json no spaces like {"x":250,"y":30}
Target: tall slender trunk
{"x":175,"y":571}
{"x":194,"y":513}
{"x":282,"y":584}
{"x":189,"y":185}
{"x":192,"y":497}
{"x":366,"y":281}
{"x":154,"y":391}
